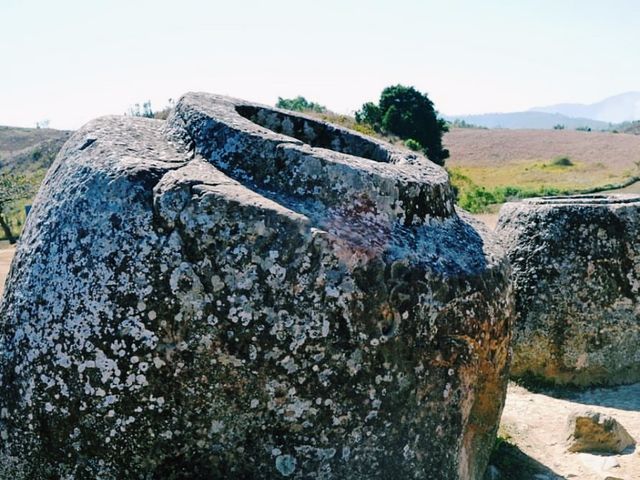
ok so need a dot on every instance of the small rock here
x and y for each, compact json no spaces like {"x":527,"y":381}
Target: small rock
{"x":590,"y":431}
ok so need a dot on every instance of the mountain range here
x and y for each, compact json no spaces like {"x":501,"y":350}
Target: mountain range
{"x":617,"y":109}
{"x":602,"y":115}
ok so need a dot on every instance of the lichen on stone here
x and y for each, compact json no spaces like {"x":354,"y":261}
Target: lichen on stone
{"x":244,"y":292}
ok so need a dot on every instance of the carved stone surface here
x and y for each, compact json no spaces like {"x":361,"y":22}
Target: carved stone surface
{"x":244,"y":292}
{"x":576,"y":272}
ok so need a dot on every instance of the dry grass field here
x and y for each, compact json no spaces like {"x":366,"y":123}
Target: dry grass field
{"x":527,"y":158}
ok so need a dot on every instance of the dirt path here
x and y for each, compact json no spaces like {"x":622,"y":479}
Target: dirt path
{"x":6,"y":254}
{"x":533,"y":425}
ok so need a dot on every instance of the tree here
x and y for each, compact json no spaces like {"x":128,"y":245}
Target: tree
{"x":409,"y":114}
{"x":12,"y":188}
{"x":144,"y":111}
{"x":300,"y":104}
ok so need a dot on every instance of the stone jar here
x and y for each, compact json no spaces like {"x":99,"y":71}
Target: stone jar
{"x":576,"y":273}
{"x":246,"y":292}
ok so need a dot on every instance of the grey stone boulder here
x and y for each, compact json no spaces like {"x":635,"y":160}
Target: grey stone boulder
{"x":594,"y":432}
{"x":576,"y":274}
{"x":244,"y":292}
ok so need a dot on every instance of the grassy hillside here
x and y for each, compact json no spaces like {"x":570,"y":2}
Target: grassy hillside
{"x":27,"y":152}
{"x":492,"y":166}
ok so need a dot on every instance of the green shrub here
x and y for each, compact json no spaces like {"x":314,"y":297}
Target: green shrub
{"x":300,"y":104}
{"x":476,"y":199}
{"x":562,"y":161}
{"x":412,"y":144}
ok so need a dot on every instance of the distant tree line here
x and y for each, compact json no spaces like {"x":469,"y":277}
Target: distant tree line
{"x":300,"y":104}
{"x":145,"y":110}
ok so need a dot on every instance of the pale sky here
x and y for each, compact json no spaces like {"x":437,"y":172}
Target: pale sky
{"x":72,"y":60}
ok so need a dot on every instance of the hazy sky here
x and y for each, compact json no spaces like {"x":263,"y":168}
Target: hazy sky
{"x":72,"y":60}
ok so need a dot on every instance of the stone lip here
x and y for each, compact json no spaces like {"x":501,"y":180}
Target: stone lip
{"x":294,"y":156}
{"x":579,"y":200}
{"x":209,"y":298}
{"x":576,"y":273}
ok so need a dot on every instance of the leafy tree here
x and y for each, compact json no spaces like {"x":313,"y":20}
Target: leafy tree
{"x":409,"y":114}
{"x":369,"y":113}
{"x":12,"y":188}
{"x":300,"y":104}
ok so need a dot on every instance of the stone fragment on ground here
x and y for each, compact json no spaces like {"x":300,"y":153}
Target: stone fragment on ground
{"x":533,"y":425}
{"x":595,"y":432}
{"x":245,"y":292}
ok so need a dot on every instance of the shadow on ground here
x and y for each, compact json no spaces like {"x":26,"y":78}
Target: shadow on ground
{"x":508,"y":462}
{"x":623,"y":397}
{"x":626,"y":397}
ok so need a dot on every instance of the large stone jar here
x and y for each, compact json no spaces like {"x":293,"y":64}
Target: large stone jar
{"x":244,"y":292}
{"x":576,"y":273}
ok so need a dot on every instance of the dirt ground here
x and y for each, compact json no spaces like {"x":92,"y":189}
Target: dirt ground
{"x":6,"y":254}
{"x":533,"y":426}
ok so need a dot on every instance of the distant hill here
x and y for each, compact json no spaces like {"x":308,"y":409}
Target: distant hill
{"x":630,"y":127}
{"x":527,"y":158}
{"x":29,"y":150}
{"x":617,"y":109}
{"x":534,"y":120}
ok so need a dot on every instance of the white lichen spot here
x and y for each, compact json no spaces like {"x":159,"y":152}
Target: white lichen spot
{"x":447,"y":390}
{"x":216,"y":426}
{"x":285,"y":464}
{"x":217,"y":283}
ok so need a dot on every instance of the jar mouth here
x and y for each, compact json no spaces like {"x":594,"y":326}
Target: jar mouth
{"x":313,"y":167}
{"x":315,"y":133}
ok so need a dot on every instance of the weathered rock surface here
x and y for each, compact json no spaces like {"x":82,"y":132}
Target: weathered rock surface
{"x":576,"y":272}
{"x":242,"y":292}
{"x":590,"y":431}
